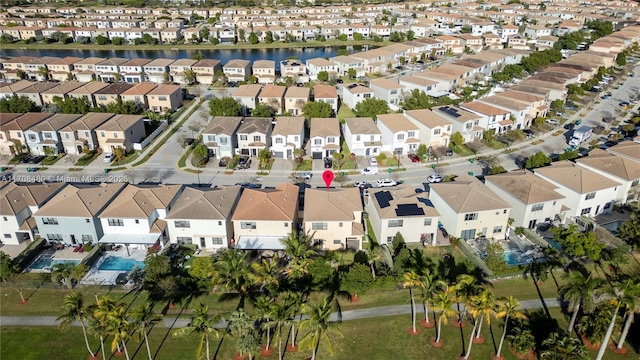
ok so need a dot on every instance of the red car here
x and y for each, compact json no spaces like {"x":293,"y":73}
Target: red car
{"x":414,"y":158}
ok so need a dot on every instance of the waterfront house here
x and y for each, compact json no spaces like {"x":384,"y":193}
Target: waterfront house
{"x":85,"y":69}
{"x":109,"y":70}
{"x":157,"y":71}
{"x":237,"y":70}
{"x":177,"y":69}
{"x":61,"y":69}
{"x":294,"y":69}
{"x":317,"y":65}
{"x":264,"y":71}
{"x":206,"y":70}
{"x":132,"y":71}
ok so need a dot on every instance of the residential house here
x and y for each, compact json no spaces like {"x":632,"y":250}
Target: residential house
{"x":11,"y":89}
{"x":537,"y":31}
{"x":110,"y":94}
{"x":344,"y":63}
{"x":7,"y":146}
{"x":247,"y":96}
{"x":157,"y":71}
{"x":62,"y":69}
{"x":120,"y":131}
{"x":317,"y":65}
{"x":206,"y":70}
{"x":177,"y":69}
{"x":61,"y":91}
{"x":362,"y":136}
{"x":324,"y":138}
{"x":13,"y":130}
{"x":33,"y":92}
{"x":44,"y":137}
{"x":587,"y":192}
{"x":353,"y":94}
{"x":32,"y":68}
{"x":170,"y":35}
{"x":109,"y":70}
{"x":435,"y":130}
{"x":88,"y":91}
{"x":254,"y":135}
{"x":71,"y":215}
{"x":137,"y":94}
{"x":533,"y":200}
{"x":401,"y":210}
{"x":326,"y":94}
{"x":400,"y":136}
{"x":387,"y":90}
{"x":287,"y":135}
{"x":265,"y":71}
{"x":496,"y":118}
{"x":136,"y":216}
{"x":273,"y":96}
{"x":469,"y":209}
{"x":80,"y":135}
{"x":334,"y":217}
{"x":165,"y":98}
{"x":294,"y":69}
{"x":18,"y":203}
{"x":264,"y":217}
{"x":295,"y":99}
{"x":220,"y":136}
{"x":519,"y":111}
{"x":132,"y":71}
{"x":237,"y":70}
{"x":468,"y":124}
{"x":617,"y":168}
{"x":202,"y":216}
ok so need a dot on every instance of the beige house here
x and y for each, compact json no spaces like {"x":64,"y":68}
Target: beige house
{"x":295,"y":99}
{"x":178,"y":67}
{"x":6,"y":145}
{"x":165,"y":97}
{"x":61,"y":69}
{"x":265,"y":71}
{"x":9,"y":90}
{"x":237,"y":70}
{"x":61,"y":91}
{"x":247,"y":96}
{"x":617,"y":168}
{"x":264,"y":217}
{"x":33,"y":92}
{"x":157,"y":71}
{"x":88,"y":91}
{"x":469,"y":209}
{"x":137,"y":93}
{"x":337,"y":224}
{"x":12,"y":131}
{"x":401,"y":210}
{"x":111,"y":93}
{"x":81,"y":134}
{"x":206,"y":70}
{"x":272,"y":96}
{"x":120,"y":131}
{"x":254,"y":135}
{"x":326,"y":94}
{"x":85,"y":69}
{"x":435,"y":131}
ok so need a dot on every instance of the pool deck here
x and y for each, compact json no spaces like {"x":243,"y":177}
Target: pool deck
{"x":14,"y":250}
{"x":611,"y":217}
{"x":68,"y":254}
{"x":108,"y":277}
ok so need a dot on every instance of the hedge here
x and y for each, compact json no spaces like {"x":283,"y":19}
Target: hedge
{"x":29,"y":253}
{"x":475,"y":259}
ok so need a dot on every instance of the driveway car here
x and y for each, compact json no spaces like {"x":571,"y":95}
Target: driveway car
{"x":25,"y":159}
{"x":414,"y":158}
{"x":362,"y":184}
{"x":304,"y":175}
{"x":386,"y":183}
{"x":449,"y":152}
{"x":552,"y":122}
{"x":434,"y":178}
{"x":328,"y":163}
{"x":624,"y":103}
{"x":189,"y":141}
{"x":249,"y":185}
{"x":36,"y":159}
{"x":369,"y":170}
{"x":108,"y":157}
{"x":224,"y":162}
{"x":373,"y":161}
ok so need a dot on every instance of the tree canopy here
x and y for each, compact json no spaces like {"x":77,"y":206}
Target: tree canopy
{"x":226,"y":106}
{"x":17,"y":104}
{"x":578,"y":244}
{"x":371,"y":108}
{"x":317,"y":109}
{"x":537,"y":160}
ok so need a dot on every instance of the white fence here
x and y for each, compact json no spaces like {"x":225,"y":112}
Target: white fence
{"x":153,"y":135}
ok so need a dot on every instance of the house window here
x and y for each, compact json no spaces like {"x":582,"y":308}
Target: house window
{"x":331,"y":140}
{"x":102,"y":134}
{"x":115,"y":222}
{"x":219,"y":223}
{"x":66,"y":136}
{"x":222,"y":141}
{"x":162,"y":98}
{"x":400,"y":137}
{"x":32,"y":137}
{"x":137,"y":221}
{"x":591,"y":196}
{"x":436,"y":132}
{"x":86,"y":133}
{"x":47,"y":135}
{"x":317,"y":142}
{"x":182,"y":224}
{"x":393,"y":92}
{"x":211,"y":138}
{"x":278,"y":140}
{"x":296,"y":138}
{"x":340,"y":224}
{"x":585,"y":211}
{"x":4,"y":218}
{"x":50,"y":221}
{"x":243,"y":137}
{"x":389,"y":239}
{"x":217,"y":240}
{"x":87,"y":220}
{"x":319,"y":226}
{"x":411,"y":134}
{"x":286,"y":224}
{"x":537,"y":207}
{"x":54,"y":237}
{"x":497,"y":229}
{"x":7,"y":236}
{"x":183,"y":240}
{"x":395,"y":223}
{"x":337,"y":242}
{"x":427,"y":222}
{"x":257,"y":138}
{"x":469,"y":125}
{"x":357,"y":137}
{"x":248,"y":225}
{"x":471,"y":216}
{"x":87,"y":238}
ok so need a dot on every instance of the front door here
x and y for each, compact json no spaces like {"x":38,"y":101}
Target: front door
{"x":289,"y":153}
{"x":254,"y":152}
{"x":73,"y":239}
{"x":79,"y":149}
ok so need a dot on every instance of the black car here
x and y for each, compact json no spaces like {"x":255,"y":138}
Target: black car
{"x":189,"y":141}
{"x":449,"y":152}
{"x":570,"y":126}
{"x":339,"y":81}
{"x":224,"y":162}
{"x":328,"y":163}
{"x":25,"y":159}
{"x":248,"y":185}
{"x":36,"y":159}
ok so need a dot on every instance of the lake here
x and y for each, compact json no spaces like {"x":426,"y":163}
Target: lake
{"x":224,"y":55}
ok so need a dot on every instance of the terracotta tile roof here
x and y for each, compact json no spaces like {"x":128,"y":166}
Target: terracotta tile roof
{"x":279,"y":204}
{"x":254,"y":125}
{"x":339,"y":204}
{"x":324,"y":127}
{"x":16,"y":197}
{"x":140,"y":201}
{"x":223,"y":125}
{"x":80,"y":200}
{"x":397,"y":122}
{"x":321,"y":91}
{"x":362,"y":125}
{"x":200,"y":203}
{"x":576,"y":178}
{"x":525,"y":186}
{"x":468,"y":194}
{"x":288,"y":125}
{"x":618,"y":166}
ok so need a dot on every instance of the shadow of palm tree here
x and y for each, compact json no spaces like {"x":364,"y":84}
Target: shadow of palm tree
{"x":540,"y":324}
{"x":184,"y":307}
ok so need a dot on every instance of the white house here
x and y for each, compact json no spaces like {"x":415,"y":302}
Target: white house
{"x":617,"y":168}
{"x":399,"y":134}
{"x":253,"y":136}
{"x":387,"y":90}
{"x":469,"y":209}
{"x":220,"y":136}
{"x":287,"y":135}
{"x":435,"y":130}
{"x":316,"y":65}
{"x":468,"y":124}
{"x":247,"y":96}
{"x":202,"y":216}
{"x":324,"y":137}
{"x":362,"y":136}
{"x":587,"y":192}
{"x":353,"y":94}
{"x":44,"y":137}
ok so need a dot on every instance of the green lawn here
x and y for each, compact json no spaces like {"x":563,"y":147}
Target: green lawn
{"x":461,"y":150}
{"x":344,"y":112}
{"x":86,"y":159}
{"x":306,"y":165}
{"x":50,"y":160}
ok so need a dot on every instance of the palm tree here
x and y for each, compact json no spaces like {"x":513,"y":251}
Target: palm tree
{"x":63,"y":271}
{"x":486,"y":308}
{"x":429,"y":284}
{"x":73,"y":310}
{"x":105,"y":305}
{"x":201,"y":324}
{"x":318,"y":325}
{"x":265,"y":275}
{"x":278,"y":316}
{"x":145,"y":319}
{"x":296,"y":301}
{"x":233,"y":273}
{"x":521,"y":340}
{"x":375,"y":254}
{"x":478,"y":306}
{"x":580,"y":291}
{"x":616,"y":293}
{"x":119,"y":327}
{"x":631,"y":304}
{"x":465,"y":289}
{"x":263,"y":310}
{"x":564,"y":348}
{"x":411,"y":279}
{"x":300,"y":252}
{"x":442,"y":303}
{"x":507,"y":309}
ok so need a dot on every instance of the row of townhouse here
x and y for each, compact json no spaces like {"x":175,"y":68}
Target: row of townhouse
{"x":228,"y":216}
{"x":282,"y":99}
{"x":45,"y":133}
{"x":230,"y":136}
{"x":156,"y":97}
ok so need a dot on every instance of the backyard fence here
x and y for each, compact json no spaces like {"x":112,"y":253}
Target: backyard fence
{"x":141,"y":145}
{"x":29,"y":253}
{"x":93,"y":255}
{"x":475,"y":258}
{"x":535,"y":238}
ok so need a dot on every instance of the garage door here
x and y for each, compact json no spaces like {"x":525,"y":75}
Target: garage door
{"x":317,"y":155}
{"x":278,"y":154}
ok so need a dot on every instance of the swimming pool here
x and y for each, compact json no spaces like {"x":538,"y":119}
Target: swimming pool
{"x":117,"y":263}
{"x":613,"y":226}
{"x":46,"y":261}
{"x":516,"y":257}
{"x":553,"y":243}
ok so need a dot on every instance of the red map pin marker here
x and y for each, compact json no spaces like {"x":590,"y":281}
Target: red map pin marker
{"x":327,"y":176}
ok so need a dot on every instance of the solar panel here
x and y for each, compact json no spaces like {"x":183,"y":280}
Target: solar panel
{"x":409,"y":210}
{"x":444,"y":109}
{"x":383,"y":198}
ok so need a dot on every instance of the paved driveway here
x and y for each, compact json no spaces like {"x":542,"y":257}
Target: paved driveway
{"x":282,"y":165}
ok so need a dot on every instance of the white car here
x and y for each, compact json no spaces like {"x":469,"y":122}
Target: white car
{"x":369,"y":170}
{"x":552,"y":122}
{"x":373,"y":161}
{"x":434,"y":178}
{"x":108,"y":157}
{"x":304,"y":175}
{"x":386,"y":183}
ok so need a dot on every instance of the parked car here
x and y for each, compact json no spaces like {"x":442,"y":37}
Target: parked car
{"x":108,"y":157}
{"x":224,"y":162}
{"x":434,"y":178}
{"x":624,"y":103}
{"x":606,"y":96}
{"x":189,"y":141}
{"x":36,"y":159}
{"x":373,"y":161}
{"x":414,"y":158}
{"x":249,"y":185}
{"x":386,"y":183}
{"x":25,"y":159}
{"x":328,"y":163}
{"x":449,"y":152}
{"x":570,"y":126}
{"x":362,"y":184}
{"x":304,"y":175}
{"x":552,"y":122}
{"x":369,"y":170}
